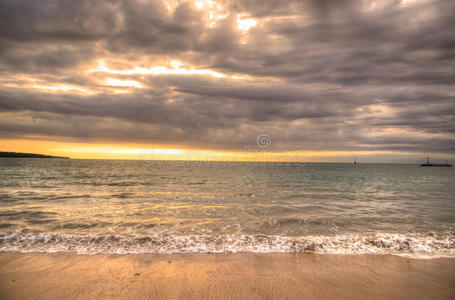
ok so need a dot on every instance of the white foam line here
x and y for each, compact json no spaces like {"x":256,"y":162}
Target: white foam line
{"x":416,"y":246}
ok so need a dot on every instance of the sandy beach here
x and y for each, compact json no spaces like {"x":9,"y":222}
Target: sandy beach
{"x":224,"y":276}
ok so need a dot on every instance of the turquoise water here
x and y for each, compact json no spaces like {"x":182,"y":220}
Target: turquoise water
{"x":105,"y":206}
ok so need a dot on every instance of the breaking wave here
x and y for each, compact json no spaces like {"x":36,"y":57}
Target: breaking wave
{"x":399,"y":244}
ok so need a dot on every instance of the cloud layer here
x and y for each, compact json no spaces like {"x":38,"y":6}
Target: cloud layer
{"x":349,"y":75}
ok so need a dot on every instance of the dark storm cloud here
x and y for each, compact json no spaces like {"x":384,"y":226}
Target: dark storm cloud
{"x":321,"y":75}
{"x":56,"y":20}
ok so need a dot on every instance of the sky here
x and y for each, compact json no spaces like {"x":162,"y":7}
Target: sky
{"x":229,"y":80}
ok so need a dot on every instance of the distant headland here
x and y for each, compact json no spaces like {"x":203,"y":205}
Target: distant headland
{"x":28,"y":155}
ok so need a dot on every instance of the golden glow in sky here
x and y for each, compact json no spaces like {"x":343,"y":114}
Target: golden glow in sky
{"x":149,"y":153}
{"x":124,"y":83}
{"x":61,"y":88}
{"x":176,"y":69}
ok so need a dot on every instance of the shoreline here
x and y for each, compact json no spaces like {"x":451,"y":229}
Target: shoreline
{"x":413,"y":256}
{"x":232,"y":276}
{"x":410,"y":245}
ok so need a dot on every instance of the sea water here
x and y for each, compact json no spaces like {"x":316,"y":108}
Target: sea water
{"x":143,"y":206}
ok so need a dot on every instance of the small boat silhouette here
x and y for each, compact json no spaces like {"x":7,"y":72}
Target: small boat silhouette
{"x":428,"y":164}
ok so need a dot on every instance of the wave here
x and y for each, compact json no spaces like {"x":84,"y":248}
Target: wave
{"x":380,"y":243}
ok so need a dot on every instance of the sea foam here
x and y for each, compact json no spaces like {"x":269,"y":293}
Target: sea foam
{"x":379,"y":243}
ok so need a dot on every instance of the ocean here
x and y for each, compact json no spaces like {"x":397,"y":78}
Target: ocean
{"x":143,"y":206}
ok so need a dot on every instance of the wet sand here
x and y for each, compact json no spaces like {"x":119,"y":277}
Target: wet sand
{"x":224,"y":276}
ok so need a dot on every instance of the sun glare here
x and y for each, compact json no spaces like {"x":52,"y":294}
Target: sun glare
{"x":212,"y":10}
{"x":199,"y":4}
{"x":245,"y":24}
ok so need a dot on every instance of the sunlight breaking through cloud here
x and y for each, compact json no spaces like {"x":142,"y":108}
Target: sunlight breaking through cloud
{"x":245,"y":24}
{"x":177,"y":69}
{"x":124,"y":83}
{"x":323,"y":76}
